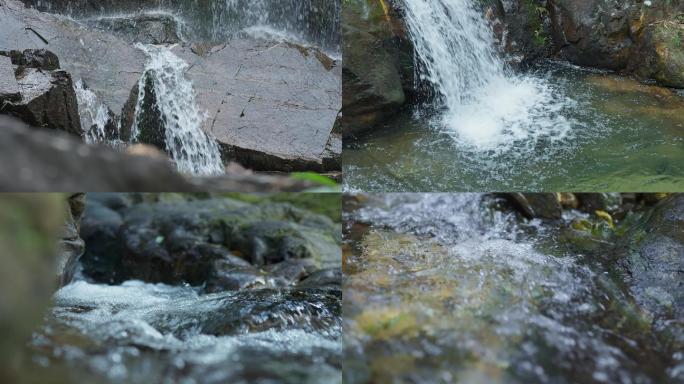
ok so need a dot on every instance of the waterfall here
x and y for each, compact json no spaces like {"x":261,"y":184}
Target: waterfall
{"x":191,"y":148}
{"x":93,"y":113}
{"x":487,"y":106}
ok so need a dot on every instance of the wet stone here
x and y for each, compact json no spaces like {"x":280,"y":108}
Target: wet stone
{"x":9,"y":88}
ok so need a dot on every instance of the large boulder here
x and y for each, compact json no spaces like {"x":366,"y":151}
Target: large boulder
{"x":271,"y":106}
{"x":378,"y":65}
{"x":641,"y":36}
{"x":536,"y":205}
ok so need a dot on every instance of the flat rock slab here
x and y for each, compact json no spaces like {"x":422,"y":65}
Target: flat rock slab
{"x":108,"y":65}
{"x":272,"y":106}
{"x":9,"y":88}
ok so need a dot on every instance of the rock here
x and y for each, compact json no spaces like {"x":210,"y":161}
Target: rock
{"x":633,"y":35}
{"x":145,"y":150}
{"x":108,"y":64}
{"x":651,"y":258}
{"x":592,"y":202}
{"x":536,"y":205}
{"x":71,"y":246}
{"x":377,"y":61}
{"x":522,"y":28}
{"x":33,"y":58}
{"x":47,"y":100}
{"x":9,"y":88}
{"x":207,"y":242}
{"x":33,"y":159}
{"x":660,"y":53}
{"x":148,"y":28}
{"x":272,"y":106}
{"x":324,"y":278}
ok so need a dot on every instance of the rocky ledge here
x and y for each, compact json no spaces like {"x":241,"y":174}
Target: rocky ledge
{"x":270,"y":105}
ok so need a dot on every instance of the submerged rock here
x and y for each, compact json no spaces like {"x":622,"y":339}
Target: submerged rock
{"x":651,"y":255}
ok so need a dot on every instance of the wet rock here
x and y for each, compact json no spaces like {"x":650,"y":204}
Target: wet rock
{"x":592,"y":202}
{"x":71,"y":245}
{"x":108,"y":64}
{"x":33,"y":58}
{"x":263,"y":309}
{"x":536,"y":205}
{"x":272,"y":106}
{"x":149,"y":28}
{"x":212,"y":242}
{"x":292,"y":270}
{"x":324,"y":278}
{"x":378,"y":65}
{"x":47,"y":100}
{"x":9,"y":88}
{"x":651,"y":257}
{"x":522,"y":27}
{"x":634,"y":35}
{"x":660,"y":53}
{"x":151,"y":126}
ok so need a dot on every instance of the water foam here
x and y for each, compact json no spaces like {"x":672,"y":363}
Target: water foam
{"x":488,"y":107}
{"x":93,"y":113}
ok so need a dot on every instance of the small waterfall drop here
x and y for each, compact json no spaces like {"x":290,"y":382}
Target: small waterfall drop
{"x":94,"y":114}
{"x":488,"y":107}
{"x":191,"y":148}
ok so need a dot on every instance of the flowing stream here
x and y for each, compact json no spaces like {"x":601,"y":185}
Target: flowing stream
{"x":141,"y":332}
{"x":451,"y":288}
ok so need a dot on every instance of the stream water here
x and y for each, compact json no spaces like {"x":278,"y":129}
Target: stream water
{"x":551,"y":127}
{"x":144,"y":333}
{"x":452,"y":288}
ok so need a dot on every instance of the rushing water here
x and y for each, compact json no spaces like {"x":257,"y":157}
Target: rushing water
{"x":446,"y":288}
{"x":631,"y":139}
{"x":487,"y":106}
{"x":191,"y":148}
{"x":140,"y":332}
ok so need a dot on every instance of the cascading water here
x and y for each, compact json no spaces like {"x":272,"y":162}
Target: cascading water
{"x":191,"y":148}
{"x":473,"y":293}
{"x":488,"y":107}
{"x":94,"y":114}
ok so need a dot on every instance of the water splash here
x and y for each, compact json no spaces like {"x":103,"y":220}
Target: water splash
{"x":488,"y":107}
{"x":191,"y":148}
{"x":93,"y":113}
{"x":477,"y":284}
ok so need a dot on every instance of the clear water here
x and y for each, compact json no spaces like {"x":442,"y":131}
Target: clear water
{"x":140,"y":332}
{"x":631,"y":138}
{"x":443,"y":288}
{"x":192,"y":150}
{"x":486,"y":106}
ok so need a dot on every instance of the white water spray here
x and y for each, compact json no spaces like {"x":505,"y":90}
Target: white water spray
{"x":488,"y":107}
{"x":192,"y":150}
